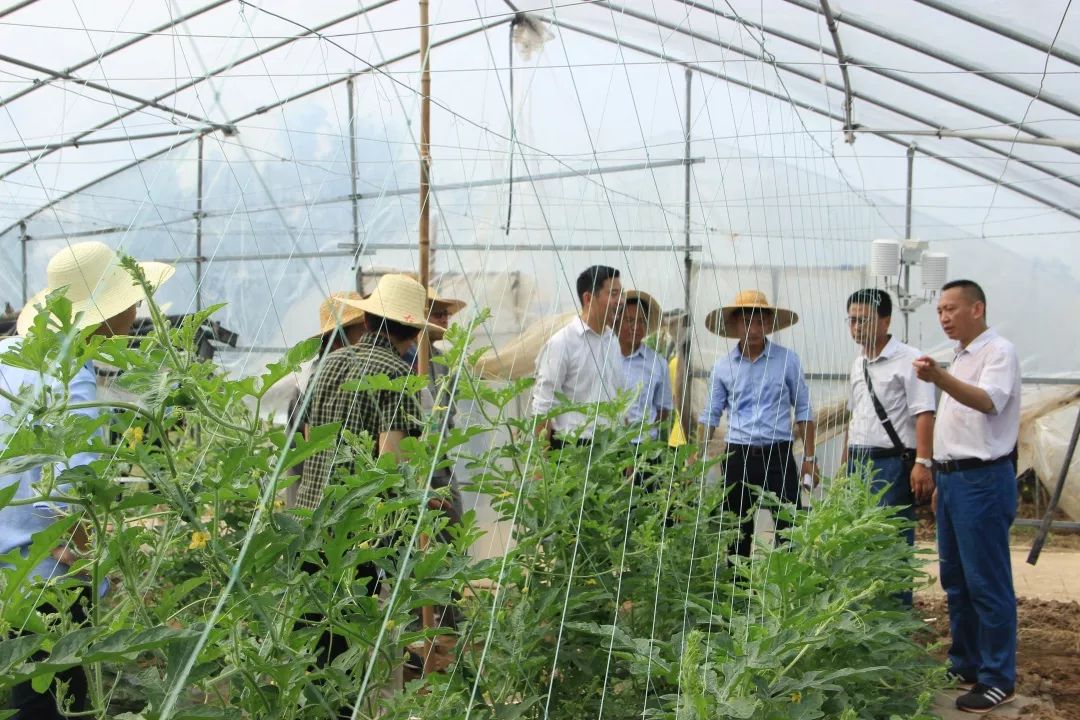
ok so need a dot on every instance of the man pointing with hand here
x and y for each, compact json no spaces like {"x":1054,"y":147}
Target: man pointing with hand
{"x":975,"y":435}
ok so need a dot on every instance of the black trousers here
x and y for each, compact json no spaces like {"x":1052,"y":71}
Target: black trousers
{"x":330,"y":646}
{"x":768,"y":467}
{"x":29,"y":704}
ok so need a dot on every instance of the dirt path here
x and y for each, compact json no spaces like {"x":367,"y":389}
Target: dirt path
{"x":1048,"y":651}
{"x":1055,"y":577}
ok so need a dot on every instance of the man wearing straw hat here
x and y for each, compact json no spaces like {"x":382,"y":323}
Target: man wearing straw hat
{"x":645,"y":372}
{"x":102,"y":294}
{"x":582,"y":360}
{"x":759,"y":383}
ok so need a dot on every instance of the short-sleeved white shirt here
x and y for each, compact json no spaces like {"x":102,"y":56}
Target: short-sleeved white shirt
{"x":581,"y":364}
{"x":991,"y":363}
{"x":901,"y":392}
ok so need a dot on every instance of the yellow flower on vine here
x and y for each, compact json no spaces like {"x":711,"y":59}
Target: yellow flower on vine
{"x":796,"y":697}
{"x":199,"y":538}
{"x":134,"y":436}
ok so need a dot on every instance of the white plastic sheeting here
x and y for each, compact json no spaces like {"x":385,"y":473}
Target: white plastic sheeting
{"x":105,"y":114}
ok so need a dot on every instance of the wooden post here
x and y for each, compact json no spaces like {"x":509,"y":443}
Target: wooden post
{"x":424,"y":353}
{"x":423,"y":356}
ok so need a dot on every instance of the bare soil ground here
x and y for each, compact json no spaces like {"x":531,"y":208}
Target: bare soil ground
{"x":1048,"y":653}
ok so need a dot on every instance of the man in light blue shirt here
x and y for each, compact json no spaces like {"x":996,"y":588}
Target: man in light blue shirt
{"x":759,"y":384}
{"x":644,"y":371}
{"x":102,"y":294}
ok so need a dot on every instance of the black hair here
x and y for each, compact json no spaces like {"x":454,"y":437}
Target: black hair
{"x":593,"y":279}
{"x":397,"y":331}
{"x":642,"y":306}
{"x":877,"y":299}
{"x":971,"y":288}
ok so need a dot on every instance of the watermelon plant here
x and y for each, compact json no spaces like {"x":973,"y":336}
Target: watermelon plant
{"x":617,"y":597}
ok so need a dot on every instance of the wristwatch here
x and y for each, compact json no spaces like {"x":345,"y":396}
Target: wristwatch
{"x":808,"y":458}
{"x":925,"y":462}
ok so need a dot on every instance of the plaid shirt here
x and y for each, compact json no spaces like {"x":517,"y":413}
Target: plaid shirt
{"x":371,"y":411}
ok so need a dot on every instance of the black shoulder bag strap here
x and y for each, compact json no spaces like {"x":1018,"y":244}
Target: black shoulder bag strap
{"x":880,"y":409}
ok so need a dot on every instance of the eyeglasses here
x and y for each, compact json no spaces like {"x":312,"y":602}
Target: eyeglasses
{"x":866,"y":320}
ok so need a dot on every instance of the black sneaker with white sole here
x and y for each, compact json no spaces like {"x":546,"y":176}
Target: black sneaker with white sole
{"x":984,"y":698}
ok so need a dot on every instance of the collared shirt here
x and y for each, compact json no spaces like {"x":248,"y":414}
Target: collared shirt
{"x":647,"y":376}
{"x":901,"y":392}
{"x":367,"y":411}
{"x":759,"y":394}
{"x":581,"y":364}
{"x":19,"y":523}
{"x":989,"y":362}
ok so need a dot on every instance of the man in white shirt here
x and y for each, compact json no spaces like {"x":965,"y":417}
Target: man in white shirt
{"x":582,"y":361}
{"x":978,"y":421}
{"x":892,"y":411}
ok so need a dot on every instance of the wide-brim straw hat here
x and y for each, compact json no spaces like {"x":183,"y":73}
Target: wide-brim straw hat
{"x":335,"y":313}
{"x":92,"y":280}
{"x":722,"y":320}
{"x":452,"y":305}
{"x":398,"y":298}
{"x":652,"y":308}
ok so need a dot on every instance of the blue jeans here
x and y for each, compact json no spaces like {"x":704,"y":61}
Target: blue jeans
{"x":975,"y":509}
{"x":892,"y":475}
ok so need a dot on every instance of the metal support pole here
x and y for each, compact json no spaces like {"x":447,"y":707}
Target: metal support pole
{"x":24,"y":239}
{"x":685,"y":381}
{"x":907,"y":236}
{"x":1048,"y":517}
{"x":199,"y":230}
{"x":350,"y":89}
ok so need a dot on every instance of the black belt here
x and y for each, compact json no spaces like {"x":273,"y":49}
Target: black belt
{"x":760,"y":450}
{"x":951,"y":466}
{"x":878,"y":453}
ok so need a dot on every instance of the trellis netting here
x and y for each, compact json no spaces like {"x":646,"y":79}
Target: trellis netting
{"x":270,"y":150}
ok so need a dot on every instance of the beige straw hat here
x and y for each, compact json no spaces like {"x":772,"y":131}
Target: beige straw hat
{"x":452,"y":305}
{"x":398,"y":298}
{"x":722,"y":320}
{"x":334,"y":312}
{"x":652,"y":308}
{"x":95,"y":283}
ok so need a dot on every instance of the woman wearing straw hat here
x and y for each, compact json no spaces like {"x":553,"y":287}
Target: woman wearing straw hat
{"x":394,"y":314}
{"x":340,"y":324}
{"x":758,"y":383}
{"x":102,"y":294}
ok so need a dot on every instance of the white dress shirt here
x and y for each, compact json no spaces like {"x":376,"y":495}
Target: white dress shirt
{"x":581,"y":364}
{"x":989,"y":362}
{"x":901,"y":392}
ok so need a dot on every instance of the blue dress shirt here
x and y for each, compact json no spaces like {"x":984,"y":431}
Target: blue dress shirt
{"x":18,"y":524}
{"x":758,"y":395}
{"x":647,"y":375}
